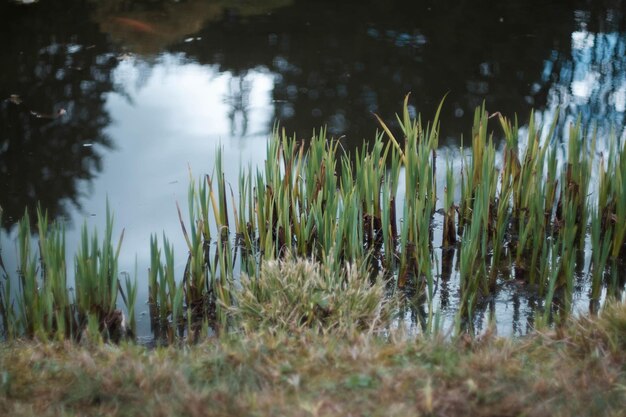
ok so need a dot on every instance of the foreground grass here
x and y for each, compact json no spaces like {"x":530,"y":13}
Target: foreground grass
{"x":578,"y":370}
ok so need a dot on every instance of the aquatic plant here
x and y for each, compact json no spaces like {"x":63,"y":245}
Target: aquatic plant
{"x":97,"y":278}
{"x":522,"y":212}
{"x":449,"y":209}
{"x":43,"y":306}
{"x":612,"y":195}
{"x":165,"y":294}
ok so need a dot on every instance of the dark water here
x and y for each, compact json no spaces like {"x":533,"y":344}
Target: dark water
{"x":123,"y":99}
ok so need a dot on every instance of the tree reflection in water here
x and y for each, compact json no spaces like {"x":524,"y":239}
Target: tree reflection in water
{"x":589,"y":79}
{"x":332,"y":63}
{"x":337,"y":62}
{"x":52,"y":58}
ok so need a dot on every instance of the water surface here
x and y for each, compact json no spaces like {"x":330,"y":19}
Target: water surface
{"x":127,"y":100}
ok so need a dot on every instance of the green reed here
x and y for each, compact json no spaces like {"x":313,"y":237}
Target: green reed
{"x":449,"y":215}
{"x":563,"y":261}
{"x":576,"y":180}
{"x":498,"y":234}
{"x":33,"y":298}
{"x":58,"y":308}
{"x":43,"y":306}
{"x":207,"y":277}
{"x":313,"y":200}
{"x":165,"y":294}
{"x":97,"y":278}
{"x":600,"y":251}
{"x":129,"y":297}
{"x":612,"y":195}
{"x":316,"y":201}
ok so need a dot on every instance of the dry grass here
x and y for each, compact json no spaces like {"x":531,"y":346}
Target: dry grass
{"x":298,"y":294}
{"x":578,"y":370}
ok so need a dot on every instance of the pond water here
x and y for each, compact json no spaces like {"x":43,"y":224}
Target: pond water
{"x":124,"y":100}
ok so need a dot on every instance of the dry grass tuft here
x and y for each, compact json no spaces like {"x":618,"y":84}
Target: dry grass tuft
{"x":303,"y":294}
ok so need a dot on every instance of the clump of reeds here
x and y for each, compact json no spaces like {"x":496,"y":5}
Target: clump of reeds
{"x":529,"y":214}
{"x":43,"y":306}
{"x":533,"y":193}
{"x":166,"y":296}
{"x":97,"y":280}
{"x":612,"y":197}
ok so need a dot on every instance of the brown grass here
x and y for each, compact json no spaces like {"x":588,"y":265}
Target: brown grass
{"x":578,"y":370}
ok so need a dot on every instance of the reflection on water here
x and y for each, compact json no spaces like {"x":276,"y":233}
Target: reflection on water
{"x":592,"y":83}
{"x":170,"y":120}
{"x":151,"y":88}
{"x":50,"y":67}
{"x":148,"y":27}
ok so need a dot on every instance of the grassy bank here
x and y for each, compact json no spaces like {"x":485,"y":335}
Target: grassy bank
{"x":300,"y":276}
{"x":578,"y":370}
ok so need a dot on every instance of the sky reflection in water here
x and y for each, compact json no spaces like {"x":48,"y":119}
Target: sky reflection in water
{"x":166,"y":105}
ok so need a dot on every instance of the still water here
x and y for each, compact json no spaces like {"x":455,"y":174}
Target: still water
{"x":125,"y":100}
